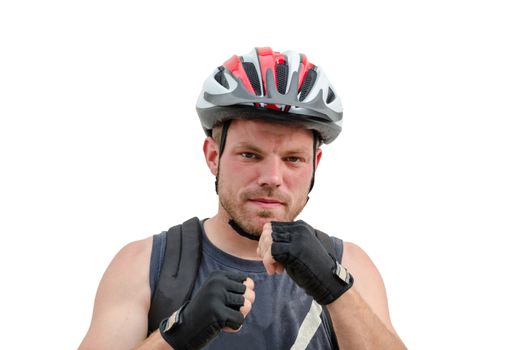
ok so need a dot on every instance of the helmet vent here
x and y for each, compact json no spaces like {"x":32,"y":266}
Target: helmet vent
{"x":331,"y":95}
{"x":282,"y":77}
{"x":308,"y":83}
{"x":220,"y":77}
{"x":253,"y":76}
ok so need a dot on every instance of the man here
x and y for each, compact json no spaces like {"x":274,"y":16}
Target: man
{"x":265,"y":281}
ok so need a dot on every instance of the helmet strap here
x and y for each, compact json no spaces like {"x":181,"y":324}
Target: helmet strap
{"x":241,"y":231}
{"x":316,"y":139}
{"x":223,"y":138}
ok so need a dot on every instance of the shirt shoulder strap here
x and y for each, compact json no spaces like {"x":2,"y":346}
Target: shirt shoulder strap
{"x":328,"y":243}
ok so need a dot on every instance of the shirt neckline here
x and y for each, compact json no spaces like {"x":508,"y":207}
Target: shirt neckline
{"x":254,"y":266}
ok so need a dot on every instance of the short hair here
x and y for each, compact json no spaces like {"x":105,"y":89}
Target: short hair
{"x":216,"y":133}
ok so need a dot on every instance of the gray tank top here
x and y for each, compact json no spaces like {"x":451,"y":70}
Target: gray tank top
{"x":283,"y":315}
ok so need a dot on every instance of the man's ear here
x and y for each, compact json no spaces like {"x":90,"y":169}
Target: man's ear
{"x":318,"y":155}
{"x":210,"y":149}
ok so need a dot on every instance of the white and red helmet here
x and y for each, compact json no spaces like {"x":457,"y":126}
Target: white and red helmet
{"x":271,"y":85}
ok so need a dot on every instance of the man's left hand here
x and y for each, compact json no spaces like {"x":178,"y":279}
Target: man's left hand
{"x":293,"y":246}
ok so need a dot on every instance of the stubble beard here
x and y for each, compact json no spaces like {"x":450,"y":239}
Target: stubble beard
{"x":247,"y":219}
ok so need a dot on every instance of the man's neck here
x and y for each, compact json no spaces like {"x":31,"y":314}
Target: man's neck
{"x":222,"y":235}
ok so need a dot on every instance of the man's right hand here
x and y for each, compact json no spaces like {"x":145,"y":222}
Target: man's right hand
{"x":222,"y":302}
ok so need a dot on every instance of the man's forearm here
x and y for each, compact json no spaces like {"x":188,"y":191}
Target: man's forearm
{"x":154,"y":342}
{"x":357,"y":327}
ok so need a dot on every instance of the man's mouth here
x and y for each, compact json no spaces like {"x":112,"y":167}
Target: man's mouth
{"x":267,"y":202}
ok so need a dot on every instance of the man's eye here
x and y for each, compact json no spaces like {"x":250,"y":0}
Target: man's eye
{"x":248,"y":155}
{"x":293,"y":159}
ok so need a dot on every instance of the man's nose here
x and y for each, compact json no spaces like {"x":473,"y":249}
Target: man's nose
{"x":270,"y":172}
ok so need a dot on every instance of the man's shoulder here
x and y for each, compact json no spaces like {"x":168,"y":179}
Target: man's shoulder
{"x":136,"y":250}
{"x":354,"y":257}
{"x":367,"y":278}
{"x":129,"y":268}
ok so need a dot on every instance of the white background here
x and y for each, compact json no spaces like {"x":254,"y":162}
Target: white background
{"x":100,"y":145}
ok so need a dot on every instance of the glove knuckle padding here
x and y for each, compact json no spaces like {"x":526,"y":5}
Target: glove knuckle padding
{"x":235,"y":287}
{"x":306,"y":260}
{"x":235,"y":301}
{"x":234,"y":276}
{"x":216,"y":305}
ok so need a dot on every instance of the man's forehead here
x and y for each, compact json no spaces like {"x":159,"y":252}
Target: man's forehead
{"x":270,"y":129}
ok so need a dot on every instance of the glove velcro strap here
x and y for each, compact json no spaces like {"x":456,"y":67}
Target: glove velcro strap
{"x":176,"y":318}
{"x":342,"y":274}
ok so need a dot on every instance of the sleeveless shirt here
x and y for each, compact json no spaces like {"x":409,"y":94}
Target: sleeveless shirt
{"x":283,"y":316}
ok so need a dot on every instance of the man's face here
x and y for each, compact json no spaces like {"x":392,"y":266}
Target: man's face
{"x":265,"y":173}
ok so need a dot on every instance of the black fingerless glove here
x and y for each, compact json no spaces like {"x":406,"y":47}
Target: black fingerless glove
{"x":307,"y":261}
{"x":216,"y":305}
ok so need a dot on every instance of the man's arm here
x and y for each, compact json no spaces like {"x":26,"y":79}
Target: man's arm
{"x":120,"y":317}
{"x":122,"y":302}
{"x":359,"y":322}
{"x":363,"y":322}
{"x":154,"y":342}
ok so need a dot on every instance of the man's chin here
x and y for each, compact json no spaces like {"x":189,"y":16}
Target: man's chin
{"x":260,"y":221}
{"x":255,"y":225}
{"x":254,"y":222}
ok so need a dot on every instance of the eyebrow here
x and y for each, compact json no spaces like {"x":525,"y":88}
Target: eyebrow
{"x":247,"y":145}
{"x":252,"y":147}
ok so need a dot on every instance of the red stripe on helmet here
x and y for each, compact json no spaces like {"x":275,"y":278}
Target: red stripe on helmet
{"x":279,"y":58}
{"x":234,"y":65}
{"x":273,"y":106}
{"x":305,"y":66}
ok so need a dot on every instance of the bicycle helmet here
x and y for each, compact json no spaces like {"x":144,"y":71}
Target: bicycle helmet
{"x":271,"y":85}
